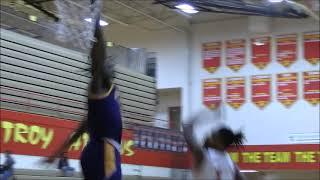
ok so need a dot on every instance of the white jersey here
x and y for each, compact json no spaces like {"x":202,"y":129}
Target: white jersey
{"x":216,"y":165}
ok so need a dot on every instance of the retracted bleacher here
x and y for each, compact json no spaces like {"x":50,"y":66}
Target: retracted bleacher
{"x":42,"y":78}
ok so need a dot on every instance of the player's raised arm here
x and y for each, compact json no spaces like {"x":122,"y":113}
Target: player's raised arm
{"x":196,"y":150}
{"x":101,"y":68}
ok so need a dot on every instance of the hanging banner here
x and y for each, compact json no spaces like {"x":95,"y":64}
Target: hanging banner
{"x":38,"y":135}
{"x":277,"y":157}
{"x":312,"y":47}
{"x":286,"y":49}
{"x":311,"y":87}
{"x":287,"y":88}
{"x":212,"y":93}
{"x":235,"y":54}
{"x":261,"y":51}
{"x":261,"y":90}
{"x":235,"y":91}
{"x":211,"y":56}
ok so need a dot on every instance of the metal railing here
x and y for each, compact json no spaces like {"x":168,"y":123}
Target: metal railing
{"x":131,"y":58}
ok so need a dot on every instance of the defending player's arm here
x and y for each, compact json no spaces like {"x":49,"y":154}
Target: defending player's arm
{"x":102,"y":72}
{"x":63,"y":148}
{"x":194,"y":147}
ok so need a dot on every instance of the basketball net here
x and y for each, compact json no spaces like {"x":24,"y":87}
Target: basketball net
{"x":73,"y":26}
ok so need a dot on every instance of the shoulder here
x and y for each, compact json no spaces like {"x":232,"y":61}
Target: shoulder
{"x":102,"y":95}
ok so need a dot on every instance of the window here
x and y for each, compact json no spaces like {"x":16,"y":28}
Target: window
{"x":151,"y":65}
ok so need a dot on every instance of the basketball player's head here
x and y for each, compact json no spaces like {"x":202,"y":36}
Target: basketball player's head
{"x":224,"y":138}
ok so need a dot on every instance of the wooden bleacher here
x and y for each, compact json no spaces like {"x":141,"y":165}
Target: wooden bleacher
{"x":55,"y":174}
{"x":27,"y":174}
{"x":43,"y":78}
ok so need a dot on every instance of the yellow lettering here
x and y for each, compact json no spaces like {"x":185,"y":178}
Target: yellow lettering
{"x":277,"y":157}
{"x":305,"y":157}
{"x":287,"y":78}
{"x":85,"y":139}
{"x":34,"y":135}
{"x":251,"y":157}
{"x":235,"y":82}
{"x":234,"y":156}
{"x":7,"y":126}
{"x":128,"y":147}
{"x":76,"y":145}
{"x":46,"y":137}
{"x":261,"y":80}
{"x":81,"y":142}
{"x":312,"y":156}
{"x":23,"y":133}
{"x":20,"y":129}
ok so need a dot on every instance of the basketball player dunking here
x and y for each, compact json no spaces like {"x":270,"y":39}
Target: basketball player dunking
{"x":100,"y":159}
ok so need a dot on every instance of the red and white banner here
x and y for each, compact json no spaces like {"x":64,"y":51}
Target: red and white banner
{"x":235,"y":54}
{"x":261,"y":90}
{"x":311,"y":87}
{"x":37,"y":135}
{"x":211,"y":56}
{"x":312,"y":47}
{"x":261,"y":51}
{"x":235,"y":91}
{"x":287,"y":88}
{"x":212,"y":92}
{"x":287,"y":49}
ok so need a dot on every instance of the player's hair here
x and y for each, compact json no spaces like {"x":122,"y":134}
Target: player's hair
{"x":109,"y":68}
{"x":230,"y":138}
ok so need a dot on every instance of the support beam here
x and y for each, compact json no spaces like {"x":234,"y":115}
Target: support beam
{"x":103,"y":15}
{"x":150,"y":17}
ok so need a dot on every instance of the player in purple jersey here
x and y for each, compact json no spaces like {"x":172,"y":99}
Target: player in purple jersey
{"x":100,"y":159}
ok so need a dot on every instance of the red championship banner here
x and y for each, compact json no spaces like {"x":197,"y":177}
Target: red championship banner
{"x":312,"y":47}
{"x":211,"y":56}
{"x":261,"y":51}
{"x":287,"y":88}
{"x":235,"y":91}
{"x":311,"y":87}
{"x":235,"y":54}
{"x":211,"y":92}
{"x":261,"y":90}
{"x":37,"y":135}
{"x":287,"y":49}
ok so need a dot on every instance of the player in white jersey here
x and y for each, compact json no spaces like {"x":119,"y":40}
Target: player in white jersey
{"x":211,"y":160}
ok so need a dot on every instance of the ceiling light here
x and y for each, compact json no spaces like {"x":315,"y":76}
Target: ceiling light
{"x":33,"y":18}
{"x":275,"y":1}
{"x":109,"y":44}
{"x":187,"y":8}
{"x":190,"y":11}
{"x":101,"y":22}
